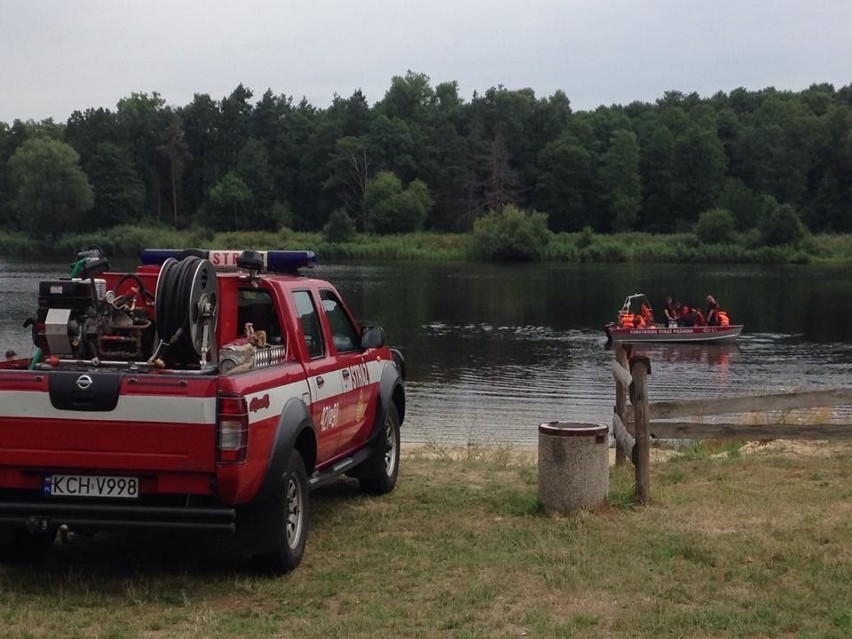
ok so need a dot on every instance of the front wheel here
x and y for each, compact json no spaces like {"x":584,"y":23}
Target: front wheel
{"x":382,"y":468}
{"x":291,"y":512}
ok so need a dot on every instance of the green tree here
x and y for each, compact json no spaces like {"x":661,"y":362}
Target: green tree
{"x":446,"y":163}
{"x":698,"y":172}
{"x":51,"y":189}
{"x":141,"y":121}
{"x":85,"y":131}
{"x":393,"y":146}
{"x":749,"y":208}
{"x":658,"y":214}
{"x":199,"y":120}
{"x":394,"y":209}
{"x":564,"y":185}
{"x":228,"y":199}
{"x":252,"y":167}
{"x":622,"y":185}
{"x":830,"y":175}
{"x":408,"y":98}
{"x":118,"y":189}
{"x":776,"y":148}
{"x":234,"y":123}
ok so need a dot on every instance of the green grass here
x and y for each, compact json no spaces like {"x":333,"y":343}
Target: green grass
{"x":750,"y":545}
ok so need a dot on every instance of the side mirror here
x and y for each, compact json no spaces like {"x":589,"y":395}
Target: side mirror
{"x":372,"y":337}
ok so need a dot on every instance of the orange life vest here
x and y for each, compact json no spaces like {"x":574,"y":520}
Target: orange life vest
{"x":627,"y":320}
{"x":723,"y":318}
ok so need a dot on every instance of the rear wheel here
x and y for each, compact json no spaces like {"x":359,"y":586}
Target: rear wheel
{"x":290,"y":510}
{"x":380,"y":472}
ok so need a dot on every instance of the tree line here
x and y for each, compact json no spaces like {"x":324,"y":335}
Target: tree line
{"x":423,"y":158}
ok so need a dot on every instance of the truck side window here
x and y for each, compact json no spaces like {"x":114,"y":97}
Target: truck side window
{"x":310,"y":323}
{"x":342,"y":330}
{"x":255,"y":306}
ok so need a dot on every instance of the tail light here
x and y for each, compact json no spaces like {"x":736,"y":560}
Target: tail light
{"x":232,"y":436}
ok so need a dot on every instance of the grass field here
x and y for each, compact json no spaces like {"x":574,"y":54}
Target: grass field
{"x":750,"y":543}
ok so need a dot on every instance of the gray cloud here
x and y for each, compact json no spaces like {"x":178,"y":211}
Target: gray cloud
{"x":58,"y":56}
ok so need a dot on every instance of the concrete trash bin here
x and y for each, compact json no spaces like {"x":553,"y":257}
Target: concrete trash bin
{"x":573,"y":465}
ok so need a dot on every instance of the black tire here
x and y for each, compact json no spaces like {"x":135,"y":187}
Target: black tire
{"x":380,"y":471}
{"x":290,"y":510}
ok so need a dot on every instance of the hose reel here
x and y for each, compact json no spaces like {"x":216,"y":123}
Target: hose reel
{"x":186,"y":312}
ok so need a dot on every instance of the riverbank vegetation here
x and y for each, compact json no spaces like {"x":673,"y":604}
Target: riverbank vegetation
{"x":484,"y":243}
{"x":753,"y":175}
{"x":752,"y":542}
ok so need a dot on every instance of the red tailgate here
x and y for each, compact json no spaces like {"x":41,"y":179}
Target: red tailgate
{"x":157,"y":423}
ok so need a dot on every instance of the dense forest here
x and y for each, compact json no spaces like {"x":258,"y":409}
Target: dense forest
{"x":423,"y":158}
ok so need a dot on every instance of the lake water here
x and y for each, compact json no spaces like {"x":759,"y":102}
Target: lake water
{"x":494,"y":350}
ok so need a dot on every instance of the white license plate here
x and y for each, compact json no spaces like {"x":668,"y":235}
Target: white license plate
{"x":91,"y":486}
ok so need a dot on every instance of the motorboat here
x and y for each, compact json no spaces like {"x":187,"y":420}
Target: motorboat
{"x":628,"y":330}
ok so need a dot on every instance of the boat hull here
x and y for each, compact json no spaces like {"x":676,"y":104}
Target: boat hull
{"x":678,"y":334}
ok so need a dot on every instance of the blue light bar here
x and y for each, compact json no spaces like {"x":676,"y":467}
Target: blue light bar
{"x":226,"y":260}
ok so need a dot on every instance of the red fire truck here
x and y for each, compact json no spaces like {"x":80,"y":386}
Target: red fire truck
{"x":207,"y":390}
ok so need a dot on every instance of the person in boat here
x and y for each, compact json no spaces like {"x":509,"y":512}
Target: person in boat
{"x":715,"y":315}
{"x":688,"y":316}
{"x":646,"y":314}
{"x":670,"y":312}
{"x":712,"y":311}
{"x":682,"y":312}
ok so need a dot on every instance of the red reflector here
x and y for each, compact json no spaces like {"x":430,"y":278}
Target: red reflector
{"x":232,"y":456}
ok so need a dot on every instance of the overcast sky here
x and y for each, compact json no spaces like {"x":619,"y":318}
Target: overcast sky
{"x":60,"y":55}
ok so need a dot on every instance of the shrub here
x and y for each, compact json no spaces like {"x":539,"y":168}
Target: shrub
{"x":716,"y":226}
{"x":783,"y":227}
{"x":339,"y":228}
{"x":511,"y":235}
{"x":585,"y":237}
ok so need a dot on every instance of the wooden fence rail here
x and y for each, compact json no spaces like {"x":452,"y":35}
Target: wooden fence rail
{"x":632,"y":426}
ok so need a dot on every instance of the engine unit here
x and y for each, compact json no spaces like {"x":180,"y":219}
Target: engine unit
{"x":80,"y":319}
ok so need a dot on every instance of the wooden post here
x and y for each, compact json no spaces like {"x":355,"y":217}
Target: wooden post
{"x":640,"y":368}
{"x":620,"y":402}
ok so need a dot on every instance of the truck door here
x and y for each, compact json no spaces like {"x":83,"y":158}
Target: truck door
{"x":324,"y":378}
{"x":359,"y":389}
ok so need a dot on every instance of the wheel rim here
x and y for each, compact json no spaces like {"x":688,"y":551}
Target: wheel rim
{"x":390,"y":447}
{"x":295,"y":514}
